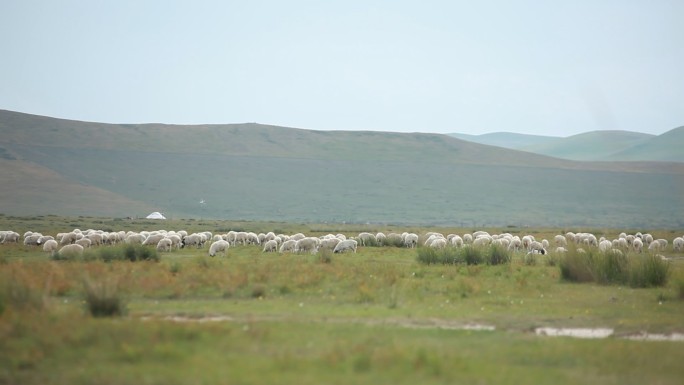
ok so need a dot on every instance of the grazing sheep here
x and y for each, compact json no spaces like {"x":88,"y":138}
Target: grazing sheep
{"x":654,"y":247}
{"x":288,"y":246}
{"x":164,"y":244}
{"x":68,"y":238}
{"x":456,"y":241}
{"x":9,"y":237}
{"x":431,"y":237}
{"x":71,"y":250}
{"x":329,"y":243}
{"x":367,"y":239}
{"x":346,"y":245}
{"x":96,"y":239}
{"x":195,"y":239}
{"x":308,"y":244}
{"x":537,"y":247}
{"x":135,"y":239}
{"x":381,"y":238}
{"x":85,"y":242}
{"x":270,"y":246}
{"x":605,"y":245}
{"x":638,"y":245}
{"x":175,"y":241}
{"x":438,"y":243}
{"x":50,"y":246}
{"x":153,"y":239}
{"x":482,"y":241}
{"x":218,"y":246}
{"x":678,"y":244}
{"x":410,"y":240}
{"x":32,"y":239}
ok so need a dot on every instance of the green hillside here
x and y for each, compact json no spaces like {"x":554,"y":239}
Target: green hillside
{"x":595,"y":145}
{"x":665,"y":147}
{"x":257,"y":172}
{"x":509,"y":140}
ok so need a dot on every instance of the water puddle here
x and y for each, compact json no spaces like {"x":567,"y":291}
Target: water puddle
{"x":679,"y":337}
{"x":574,"y":332}
{"x":426,"y":323}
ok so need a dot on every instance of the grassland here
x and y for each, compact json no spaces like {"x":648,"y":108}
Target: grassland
{"x":376,"y":316}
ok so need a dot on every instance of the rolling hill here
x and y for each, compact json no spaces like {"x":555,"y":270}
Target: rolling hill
{"x":261,"y":172}
{"x":592,"y":146}
{"x":509,"y":140}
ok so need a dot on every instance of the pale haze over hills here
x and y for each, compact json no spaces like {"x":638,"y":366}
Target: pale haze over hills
{"x":531,"y":67}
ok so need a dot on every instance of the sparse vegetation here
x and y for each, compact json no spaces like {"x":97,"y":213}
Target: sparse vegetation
{"x":469,"y":255}
{"x":613,"y":267}
{"x":380,"y":314}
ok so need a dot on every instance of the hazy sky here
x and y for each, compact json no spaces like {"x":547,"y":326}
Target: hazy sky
{"x":538,"y":67}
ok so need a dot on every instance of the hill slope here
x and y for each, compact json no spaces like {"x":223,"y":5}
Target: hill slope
{"x":250,"y":171}
{"x":668,"y":146}
{"x":509,"y":140}
{"x":595,"y":145}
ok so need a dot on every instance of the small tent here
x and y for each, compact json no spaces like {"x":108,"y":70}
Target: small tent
{"x":155,"y":215}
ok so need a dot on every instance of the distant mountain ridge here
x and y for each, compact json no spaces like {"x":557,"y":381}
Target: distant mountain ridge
{"x":262,"y":172}
{"x":593,"y":146}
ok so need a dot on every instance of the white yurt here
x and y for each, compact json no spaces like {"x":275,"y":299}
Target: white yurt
{"x":156,"y":215}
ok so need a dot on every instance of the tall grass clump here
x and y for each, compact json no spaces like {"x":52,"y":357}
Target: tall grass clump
{"x":613,"y":267}
{"x":20,"y":291}
{"x":103,"y":298}
{"x":469,"y":255}
{"x":433,"y":256}
{"x":497,"y":255}
{"x":133,"y":253}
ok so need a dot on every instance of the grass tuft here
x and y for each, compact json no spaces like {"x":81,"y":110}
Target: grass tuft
{"x":612,"y":267}
{"x":103,"y":298}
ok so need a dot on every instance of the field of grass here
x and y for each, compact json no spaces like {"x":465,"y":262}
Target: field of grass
{"x":376,"y":316}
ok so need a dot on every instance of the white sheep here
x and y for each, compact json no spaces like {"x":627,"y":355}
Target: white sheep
{"x":135,"y":239}
{"x":219,"y":246}
{"x":288,"y":246}
{"x":9,"y":236}
{"x":410,"y":240}
{"x":438,"y":243}
{"x":346,"y":245}
{"x":163,"y":245}
{"x":605,"y":245}
{"x":153,"y":239}
{"x":71,"y":250}
{"x":367,"y":239}
{"x":270,"y":246}
{"x":96,"y":239}
{"x":638,"y":245}
{"x":33,"y":239}
{"x":678,"y":244}
{"x":381,"y":238}
{"x":85,"y":242}
{"x":307,"y":244}
{"x":68,"y":238}
{"x":329,"y":243}
{"x":50,"y":246}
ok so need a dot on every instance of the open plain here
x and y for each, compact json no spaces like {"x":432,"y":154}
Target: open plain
{"x":375,"y":316}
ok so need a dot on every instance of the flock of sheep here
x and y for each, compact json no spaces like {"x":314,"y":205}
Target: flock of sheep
{"x":75,"y":241}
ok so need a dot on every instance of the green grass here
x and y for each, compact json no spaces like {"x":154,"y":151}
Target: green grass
{"x":636,"y":270}
{"x":376,"y":316}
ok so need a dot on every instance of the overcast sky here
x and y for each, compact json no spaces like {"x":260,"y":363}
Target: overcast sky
{"x":538,"y":67}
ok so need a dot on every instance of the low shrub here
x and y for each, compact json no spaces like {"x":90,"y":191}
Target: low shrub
{"x":491,"y":255}
{"x":103,"y":298}
{"x":614,"y":267}
{"x":131,"y":253}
